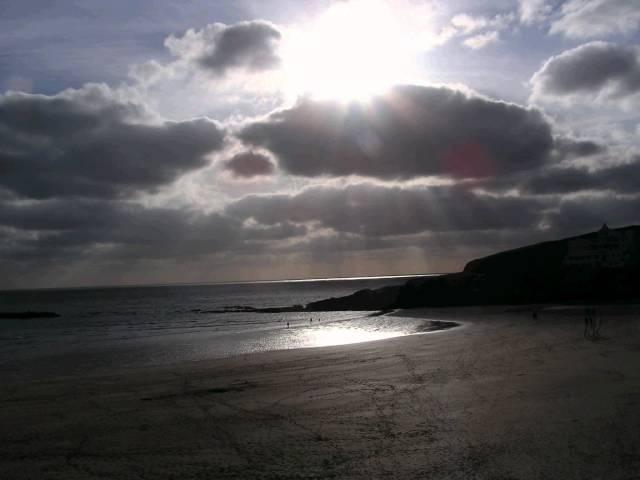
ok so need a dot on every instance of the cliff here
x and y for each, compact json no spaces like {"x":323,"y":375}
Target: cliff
{"x":598,"y":266}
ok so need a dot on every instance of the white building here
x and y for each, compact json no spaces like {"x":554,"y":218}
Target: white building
{"x":607,"y":249}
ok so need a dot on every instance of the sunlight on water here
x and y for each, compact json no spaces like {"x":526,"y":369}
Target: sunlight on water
{"x":101,"y":330}
{"x":342,"y":336}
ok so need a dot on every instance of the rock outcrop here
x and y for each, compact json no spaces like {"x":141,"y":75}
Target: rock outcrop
{"x":378,"y":299}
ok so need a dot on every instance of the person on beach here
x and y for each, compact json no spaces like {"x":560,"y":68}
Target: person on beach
{"x":592,"y":324}
{"x":287,"y":324}
{"x":597,"y":323}
{"x":586,"y":322}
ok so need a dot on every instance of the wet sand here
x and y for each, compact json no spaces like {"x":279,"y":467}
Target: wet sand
{"x":504,"y":396}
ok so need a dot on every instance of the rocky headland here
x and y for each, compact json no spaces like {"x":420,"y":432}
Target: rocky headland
{"x":601,"y":266}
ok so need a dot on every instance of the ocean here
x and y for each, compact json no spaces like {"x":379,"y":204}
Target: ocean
{"x":102,"y":330}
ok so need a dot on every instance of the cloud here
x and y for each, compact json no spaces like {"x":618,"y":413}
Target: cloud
{"x":534,"y":11}
{"x":220,"y":71}
{"x":596,"y":71}
{"x":567,"y":147}
{"x":620,"y":179}
{"x":91,"y":142}
{"x":278,"y":231}
{"x":218,"y":48}
{"x":116,"y":230}
{"x":249,"y":165}
{"x":409,"y":132}
{"x":587,"y":212}
{"x":373,"y":211}
{"x":480,"y":41}
{"x":580,"y":19}
{"x":65,"y":241}
{"x":469,"y":24}
{"x":74,"y":228}
{"x":479,"y":31}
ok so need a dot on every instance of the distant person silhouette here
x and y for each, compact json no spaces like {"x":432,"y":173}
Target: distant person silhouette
{"x":287,"y":324}
{"x":597,"y":323}
{"x":592,"y":324}
{"x":587,"y":323}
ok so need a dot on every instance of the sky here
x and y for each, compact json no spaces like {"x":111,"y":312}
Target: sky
{"x":201,"y":141}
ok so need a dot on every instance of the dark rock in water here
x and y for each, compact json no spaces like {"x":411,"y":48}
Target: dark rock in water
{"x":379,"y":299}
{"x":294,"y":308}
{"x":27,"y":315}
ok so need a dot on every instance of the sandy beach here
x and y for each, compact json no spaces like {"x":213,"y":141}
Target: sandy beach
{"x":503,"y":396}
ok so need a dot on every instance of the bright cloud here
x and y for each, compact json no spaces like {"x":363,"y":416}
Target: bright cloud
{"x":597,"y":18}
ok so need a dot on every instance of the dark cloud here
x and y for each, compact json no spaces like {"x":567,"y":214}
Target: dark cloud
{"x":96,"y":235}
{"x":587,"y":212}
{"x":591,"y":69}
{"x":560,"y":181}
{"x":567,"y":147}
{"x":59,"y":215}
{"x":251,"y":45}
{"x":249,"y":164}
{"x":278,"y":231}
{"x":218,"y":48}
{"x":447,"y":224}
{"x":73,"y":228}
{"x":623,"y":179}
{"x":119,"y":228}
{"x":371,"y":210}
{"x":368,"y":215}
{"x":90,"y":143}
{"x":411,"y":131}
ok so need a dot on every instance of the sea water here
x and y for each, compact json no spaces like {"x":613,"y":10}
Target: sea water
{"x":105,"y":329}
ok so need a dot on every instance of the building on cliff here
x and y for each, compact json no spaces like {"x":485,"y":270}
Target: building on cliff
{"x":604,"y":249}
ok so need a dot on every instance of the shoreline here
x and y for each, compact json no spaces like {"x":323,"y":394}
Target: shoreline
{"x":502,"y":396}
{"x":84,"y":362}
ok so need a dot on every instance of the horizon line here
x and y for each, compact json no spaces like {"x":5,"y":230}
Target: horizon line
{"x":230,"y":282}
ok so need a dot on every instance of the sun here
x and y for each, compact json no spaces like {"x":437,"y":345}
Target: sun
{"x":354,"y":50}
